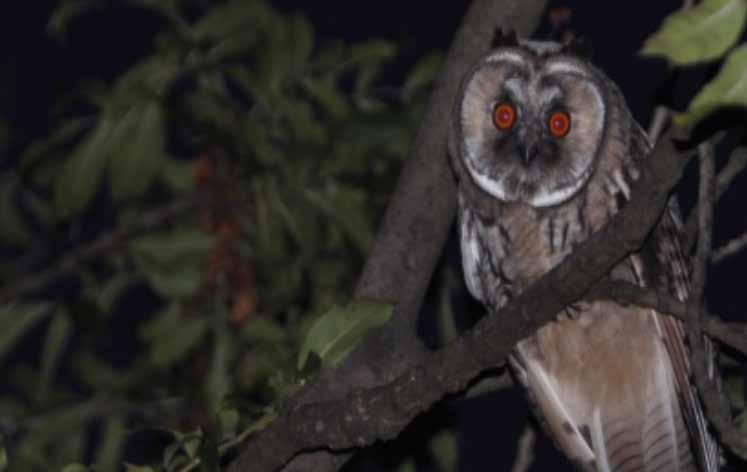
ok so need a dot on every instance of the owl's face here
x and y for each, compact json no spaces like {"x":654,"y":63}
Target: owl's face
{"x":530,"y":123}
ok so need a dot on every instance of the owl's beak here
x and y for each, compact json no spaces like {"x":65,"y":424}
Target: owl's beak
{"x":527,"y":153}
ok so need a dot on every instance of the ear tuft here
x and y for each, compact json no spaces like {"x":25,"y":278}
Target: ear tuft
{"x":504,"y":39}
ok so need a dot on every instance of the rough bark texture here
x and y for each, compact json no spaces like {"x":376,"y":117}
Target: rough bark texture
{"x":366,"y":415}
{"x":413,"y":231}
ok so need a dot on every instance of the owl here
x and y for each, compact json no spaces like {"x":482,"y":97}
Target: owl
{"x":546,"y":152}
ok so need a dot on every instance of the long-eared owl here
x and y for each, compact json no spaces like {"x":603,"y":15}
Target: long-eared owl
{"x":546,"y":152}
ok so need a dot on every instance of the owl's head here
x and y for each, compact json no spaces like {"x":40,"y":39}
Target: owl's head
{"x":530,"y":121}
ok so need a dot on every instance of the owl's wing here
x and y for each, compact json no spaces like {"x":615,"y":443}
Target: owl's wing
{"x":664,"y":265}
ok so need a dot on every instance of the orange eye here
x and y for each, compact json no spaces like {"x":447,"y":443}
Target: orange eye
{"x":559,"y":124}
{"x":504,"y":116}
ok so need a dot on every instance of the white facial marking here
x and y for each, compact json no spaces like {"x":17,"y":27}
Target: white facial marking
{"x":545,"y":198}
{"x":549,"y":94}
{"x":506,"y":56}
{"x":513,"y":85}
{"x":493,"y":186}
{"x":565,"y":68}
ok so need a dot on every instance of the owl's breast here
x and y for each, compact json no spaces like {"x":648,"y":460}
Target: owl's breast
{"x":538,"y":240}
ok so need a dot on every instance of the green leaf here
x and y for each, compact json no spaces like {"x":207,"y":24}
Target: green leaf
{"x":702,"y":33}
{"x":171,"y":247}
{"x":109,"y":453}
{"x":171,"y":335}
{"x":228,"y":419}
{"x":346,"y":206}
{"x":65,"y":13}
{"x":445,"y":450}
{"x":178,"y":175}
{"x":57,"y":335}
{"x":139,"y":151}
{"x":12,"y":225}
{"x":447,"y":326}
{"x":217,"y":382}
{"x":3,"y":459}
{"x":191,"y":443}
{"x":40,"y":208}
{"x":97,"y":374}
{"x":232,"y":17}
{"x":408,"y":465}
{"x":138,"y":468}
{"x":728,"y":88}
{"x":106,"y":295}
{"x":81,"y":174}
{"x":261,"y":423}
{"x":16,"y":320}
{"x":75,"y":468}
{"x":328,"y":95}
{"x":372,"y":51}
{"x":176,"y":283}
{"x":58,"y":138}
{"x":172,"y":262}
{"x":304,"y":126}
{"x":369,"y":57}
{"x":167,"y":8}
{"x":301,"y":39}
{"x":150,"y":77}
{"x":734,"y":389}
{"x":262,"y":329}
{"x":339,"y":330}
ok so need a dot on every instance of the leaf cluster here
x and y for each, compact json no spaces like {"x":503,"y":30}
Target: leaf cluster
{"x":190,"y":327}
{"x":705,"y":33}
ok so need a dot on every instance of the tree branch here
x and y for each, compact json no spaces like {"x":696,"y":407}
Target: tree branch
{"x":525,"y":450}
{"x":717,"y":411}
{"x":380,"y":413}
{"x":72,"y":261}
{"x":729,"y":249}
{"x":733,"y":335}
{"x":736,"y":164}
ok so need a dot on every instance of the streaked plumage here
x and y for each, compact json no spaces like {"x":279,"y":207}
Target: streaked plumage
{"x":610,"y":383}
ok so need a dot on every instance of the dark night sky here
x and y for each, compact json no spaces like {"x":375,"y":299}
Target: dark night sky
{"x":36,"y":69}
{"x":103,"y":43}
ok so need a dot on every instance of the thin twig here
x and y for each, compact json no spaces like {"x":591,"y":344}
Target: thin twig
{"x":736,"y":164}
{"x":659,"y":120}
{"x":729,"y":249}
{"x":718,"y":414}
{"x":733,"y":335}
{"x":525,"y":450}
{"x":73,"y":261}
{"x":490,"y":385}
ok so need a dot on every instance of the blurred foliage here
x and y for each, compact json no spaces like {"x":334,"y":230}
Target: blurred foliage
{"x":187,"y":329}
{"x":709,"y":31}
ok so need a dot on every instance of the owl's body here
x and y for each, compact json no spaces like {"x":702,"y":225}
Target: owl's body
{"x":546,"y":152}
